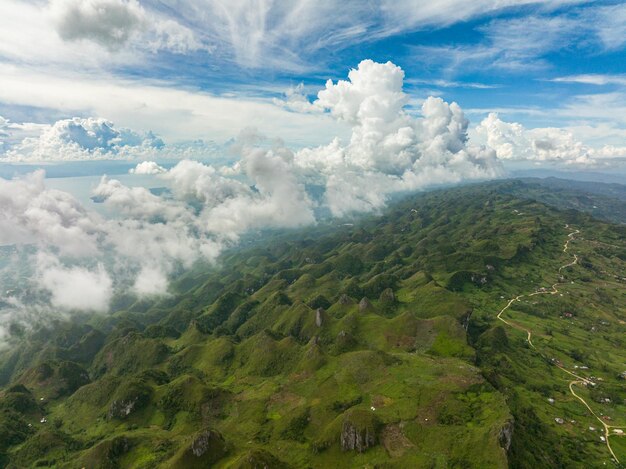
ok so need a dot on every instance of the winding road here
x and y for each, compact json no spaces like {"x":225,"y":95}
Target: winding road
{"x":579,"y":379}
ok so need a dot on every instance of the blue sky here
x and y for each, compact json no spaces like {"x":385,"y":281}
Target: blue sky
{"x":542,"y":64}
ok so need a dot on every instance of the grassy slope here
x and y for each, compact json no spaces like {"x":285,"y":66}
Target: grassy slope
{"x":242,"y":351}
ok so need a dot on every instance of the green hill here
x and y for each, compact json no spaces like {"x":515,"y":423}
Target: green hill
{"x":373,"y":343}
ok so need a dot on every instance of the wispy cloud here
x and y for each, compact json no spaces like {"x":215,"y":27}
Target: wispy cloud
{"x":607,"y":107}
{"x":610,"y":25}
{"x":175,"y":113}
{"x":523,"y":43}
{"x":441,"y":83}
{"x":592,"y":79}
{"x":510,"y":45}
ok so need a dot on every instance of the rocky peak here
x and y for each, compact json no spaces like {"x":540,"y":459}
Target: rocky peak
{"x":364,"y":304}
{"x":319,"y":319}
{"x":344,"y":299}
{"x":359,"y":430}
{"x":506,"y":435}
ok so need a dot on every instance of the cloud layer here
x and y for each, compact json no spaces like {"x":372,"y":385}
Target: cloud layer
{"x":146,"y":238}
{"x":512,"y":141}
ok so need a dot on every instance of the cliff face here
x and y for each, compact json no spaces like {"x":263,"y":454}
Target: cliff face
{"x":359,"y":431}
{"x":506,"y":435}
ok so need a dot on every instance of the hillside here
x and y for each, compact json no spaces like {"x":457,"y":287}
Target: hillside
{"x":370,"y":343}
{"x":604,"y":201}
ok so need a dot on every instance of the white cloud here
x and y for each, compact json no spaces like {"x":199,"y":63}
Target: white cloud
{"x":4,"y":125}
{"x":610,"y":24}
{"x":112,"y":24}
{"x":452,"y":84}
{"x":512,"y":141}
{"x":109,"y":23}
{"x":606,"y":107}
{"x":296,"y":100}
{"x":293,"y":35}
{"x":372,"y":101}
{"x":75,"y":288}
{"x":78,"y":139}
{"x":135,"y":202}
{"x":389,"y":150}
{"x":196,"y":182}
{"x":593,"y":79}
{"x":522,"y":43}
{"x":147,"y":168}
{"x":89,"y":35}
{"x":512,"y":44}
{"x":32,"y":214}
{"x":150,"y":282}
{"x":173,"y":113}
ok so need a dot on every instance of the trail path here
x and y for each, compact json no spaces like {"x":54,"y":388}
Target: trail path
{"x":580,"y":380}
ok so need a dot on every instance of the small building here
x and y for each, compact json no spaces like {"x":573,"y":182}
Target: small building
{"x":559,"y":420}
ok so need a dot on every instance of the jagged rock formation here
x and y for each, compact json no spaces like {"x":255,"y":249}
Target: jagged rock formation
{"x":319,"y":320}
{"x":359,"y":430}
{"x":364,"y":305}
{"x":344,"y":299}
{"x":128,"y":398}
{"x":202,"y":442}
{"x":506,"y":435}
{"x":122,"y":408}
{"x":207,"y":447}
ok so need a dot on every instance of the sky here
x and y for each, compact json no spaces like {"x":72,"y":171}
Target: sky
{"x":206,"y":69}
{"x":139,"y":137}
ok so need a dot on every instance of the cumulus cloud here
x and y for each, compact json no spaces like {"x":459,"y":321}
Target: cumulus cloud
{"x":278,"y":201}
{"x":296,"y":100}
{"x":389,"y":150}
{"x":114,"y":23}
{"x":197,"y":182}
{"x":83,"y":139}
{"x":147,"y":168}
{"x":512,"y":141}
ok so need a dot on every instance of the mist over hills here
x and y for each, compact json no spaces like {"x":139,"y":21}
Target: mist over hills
{"x":377,"y":341}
